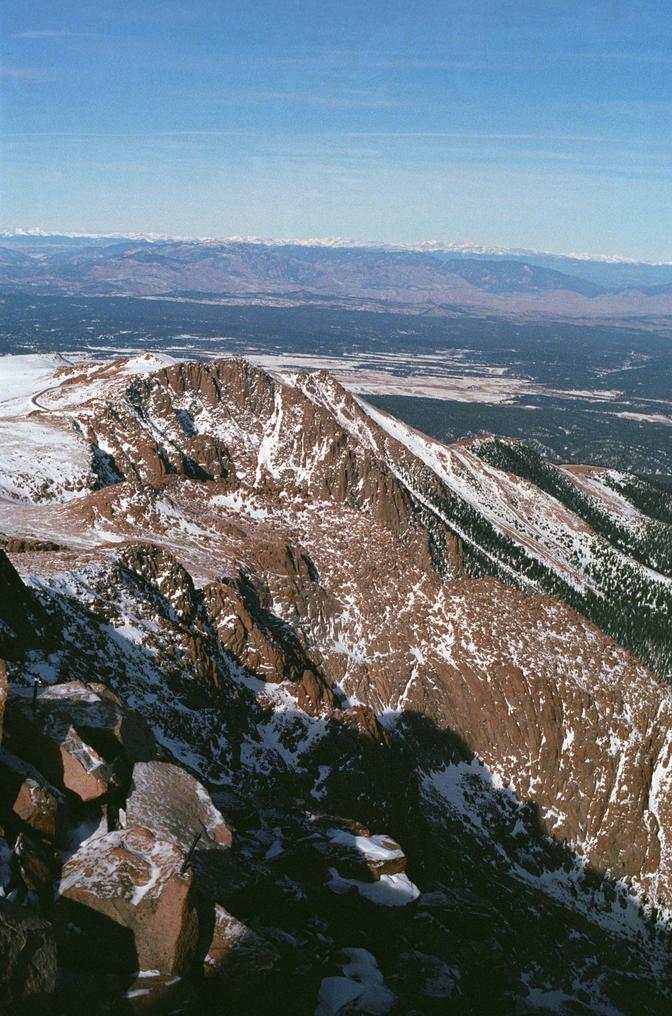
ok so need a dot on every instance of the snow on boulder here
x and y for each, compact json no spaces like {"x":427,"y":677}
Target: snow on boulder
{"x":381,"y":855}
{"x":101,"y":718}
{"x":361,"y":988}
{"x":73,"y":733}
{"x":388,"y":891}
{"x":349,"y":846}
{"x":47,"y":738}
{"x":177,"y":805}
{"x":27,"y":961}
{"x":235,"y":951}
{"x":125,"y":904}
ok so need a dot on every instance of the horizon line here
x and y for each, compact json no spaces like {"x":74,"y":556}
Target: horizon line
{"x":426,"y":246}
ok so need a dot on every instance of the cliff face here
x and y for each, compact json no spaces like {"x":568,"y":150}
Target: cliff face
{"x":288,"y":588}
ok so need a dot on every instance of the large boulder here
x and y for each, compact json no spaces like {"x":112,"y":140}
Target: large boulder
{"x":27,"y":799}
{"x":80,"y":736}
{"x":176,"y":804}
{"x":236,"y":953}
{"x":27,"y":961}
{"x":125,"y":904}
{"x":350,"y":847}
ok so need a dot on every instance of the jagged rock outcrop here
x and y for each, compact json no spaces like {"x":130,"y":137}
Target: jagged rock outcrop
{"x":240,"y":611}
{"x":21,"y":617}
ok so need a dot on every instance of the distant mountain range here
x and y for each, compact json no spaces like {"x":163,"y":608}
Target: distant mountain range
{"x":434,"y":278}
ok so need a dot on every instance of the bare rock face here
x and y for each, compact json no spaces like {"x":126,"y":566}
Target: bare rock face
{"x":235,"y":952}
{"x":125,"y":904}
{"x":239,"y":610}
{"x":21,"y":617}
{"x":27,"y":961}
{"x":176,"y":805}
{"x":156,"y":573}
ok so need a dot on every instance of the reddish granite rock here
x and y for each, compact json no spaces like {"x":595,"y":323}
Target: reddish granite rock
{"x":74,"y":732}
{"x":175,"y":804}
{"x":125,"y":903}
{"x":239,"y":610}
{"x":38,"y":862}
{"x":27,"y":961}
{"x":50,"y":742}
{"x":363,"y":722}
{"x":235,"y":951}
{"x":27,"y":797}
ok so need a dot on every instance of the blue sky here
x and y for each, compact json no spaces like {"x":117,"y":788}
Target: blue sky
{"x":508,"y":122}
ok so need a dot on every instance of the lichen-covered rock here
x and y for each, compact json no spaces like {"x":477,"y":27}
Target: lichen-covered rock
{"x":27,"y":962}
{"x":125,"y":904}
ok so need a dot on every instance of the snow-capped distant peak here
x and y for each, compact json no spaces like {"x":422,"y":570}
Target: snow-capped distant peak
{"x":425,"y":246}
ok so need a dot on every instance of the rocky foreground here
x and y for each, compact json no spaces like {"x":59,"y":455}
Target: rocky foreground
{"x":300,"y":715}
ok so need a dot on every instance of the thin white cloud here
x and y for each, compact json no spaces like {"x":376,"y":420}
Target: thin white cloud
{"x":120,"y":134}
{"x":18,"y":73}
{"x":53,"y":34}
{"x":482,"y":136}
